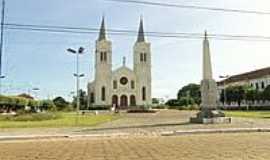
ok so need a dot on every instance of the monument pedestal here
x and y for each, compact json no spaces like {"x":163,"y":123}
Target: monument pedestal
{"x":210,"y":116}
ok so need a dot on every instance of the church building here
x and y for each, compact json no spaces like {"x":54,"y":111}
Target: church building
{"x":122,"y":87}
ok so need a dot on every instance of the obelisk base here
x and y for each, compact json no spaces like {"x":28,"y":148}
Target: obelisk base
{"x":210,"y":116}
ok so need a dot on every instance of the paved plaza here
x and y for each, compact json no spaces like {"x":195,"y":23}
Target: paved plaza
{"x":148,"y":124}
{"x":253,"y":146}
{"x":141,"y":139}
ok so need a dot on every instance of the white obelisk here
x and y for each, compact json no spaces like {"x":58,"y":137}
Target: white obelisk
{"x":208,"y":84}
{"x":209,"y":111}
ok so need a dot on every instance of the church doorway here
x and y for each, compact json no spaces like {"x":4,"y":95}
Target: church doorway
{"x":115,"y":101}
{"x":132,"y":100}
{"x":123,"y":102}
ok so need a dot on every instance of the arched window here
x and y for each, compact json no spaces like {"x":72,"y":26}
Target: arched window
{"x":114,"y":84}
{"x":103,"y":94}
{"x":141,"y":57}
{"x":263,"y":85}
{"x":143,"y":93}
{"x":132,"y":84}
{"x":145,"y":56}
{"x":132,"y":100}
{"x":101,"y":56}
{"x":257,"y":86}
{"x":105,"y":56}
{"x":92,"y":97}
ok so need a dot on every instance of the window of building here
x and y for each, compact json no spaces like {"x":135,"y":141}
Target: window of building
{"x":143,"y":93}
{"x":101,"y":56}
{"x":132,"y":85}
{"x":263,"y":85}
{"x":141,"y":57}
{"x":114,"y":84}
{"x":257,"y":86}
{"x":124,"y":80}
{"x":105,"y":56}
{"x":103,"y":94}
{"x":92,"y":97}
{"x":145,"y":56}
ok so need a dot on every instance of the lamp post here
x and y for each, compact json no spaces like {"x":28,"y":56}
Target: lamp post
{"x":224,"y":83}
{"x":77,"y":75}
{"x":35,"y":90}
{"x":2,"y":40}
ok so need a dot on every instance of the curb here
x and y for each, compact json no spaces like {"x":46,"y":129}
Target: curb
{"x":213,"y":131}
{"x":44,"y":137}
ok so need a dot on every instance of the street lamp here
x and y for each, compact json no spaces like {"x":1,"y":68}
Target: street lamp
{"x":35,"y":89}
{"x":224,"y":82}
{"x":77,"y":74}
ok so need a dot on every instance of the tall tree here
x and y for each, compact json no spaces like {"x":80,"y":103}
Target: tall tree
{"x":83,"y":100}
{"x":60,"y":103}
{"x":191,"y":91}
{"x":266,"y":93}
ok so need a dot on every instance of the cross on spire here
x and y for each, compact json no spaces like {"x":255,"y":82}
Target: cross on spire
{"x":124,"y":61}
{"x":205,"y":34}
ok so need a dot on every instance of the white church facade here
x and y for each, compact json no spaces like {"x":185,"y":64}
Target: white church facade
{"x":122,"y":87}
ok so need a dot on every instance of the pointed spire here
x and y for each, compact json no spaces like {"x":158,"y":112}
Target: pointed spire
{"x":141,"y":32}
{"x":102,"y":32}
{"x":207,"y":65}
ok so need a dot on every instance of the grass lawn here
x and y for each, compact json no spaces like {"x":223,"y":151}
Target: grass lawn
{"x":64,"y":120}
{"x":248,"y":114}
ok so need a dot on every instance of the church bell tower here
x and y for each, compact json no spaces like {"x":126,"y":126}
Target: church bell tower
{"x":103,"y":67}
{"x":142,"y":68}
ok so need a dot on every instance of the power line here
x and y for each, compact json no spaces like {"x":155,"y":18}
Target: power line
{"x":121,"y":32}
{"x":191,"y":7}
{"x":131,"y":31}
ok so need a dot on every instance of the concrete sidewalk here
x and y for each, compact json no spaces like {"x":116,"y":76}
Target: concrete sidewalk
{"x":110,"y":135}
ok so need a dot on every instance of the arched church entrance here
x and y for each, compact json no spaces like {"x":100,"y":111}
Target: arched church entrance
{"x":123,"y":102}
{"x":115,"y":100}
{"x":132,"y":100}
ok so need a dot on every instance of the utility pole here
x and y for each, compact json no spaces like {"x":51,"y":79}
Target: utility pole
{"x":2,"y":41}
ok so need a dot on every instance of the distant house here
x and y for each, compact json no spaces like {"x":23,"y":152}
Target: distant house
{"x":257,"y":79}
{"x":24,"y":95}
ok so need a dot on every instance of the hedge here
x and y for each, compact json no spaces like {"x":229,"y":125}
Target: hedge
{"x":20,"y":102}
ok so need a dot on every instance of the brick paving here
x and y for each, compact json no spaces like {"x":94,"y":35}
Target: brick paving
{"x":252,"y":146}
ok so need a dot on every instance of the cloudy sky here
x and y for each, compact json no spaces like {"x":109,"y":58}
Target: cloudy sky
{"x":39,"y":59}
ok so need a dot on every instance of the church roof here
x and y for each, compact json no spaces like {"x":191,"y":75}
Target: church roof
{"x":141,"y":32}
{"x":102,"y":31}
{"x":123,"y":70}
